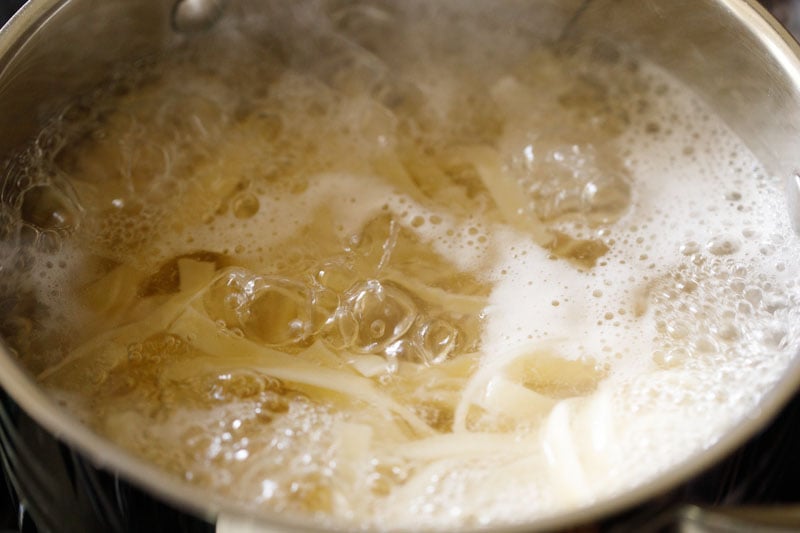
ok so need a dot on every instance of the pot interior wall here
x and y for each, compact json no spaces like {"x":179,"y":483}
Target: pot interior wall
{"x":726,"y":52}
{"x":57,"y":50}
{"x":723,"y":50}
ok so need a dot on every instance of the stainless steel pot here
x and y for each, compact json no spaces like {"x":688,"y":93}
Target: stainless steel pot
{"x":731,"y":52}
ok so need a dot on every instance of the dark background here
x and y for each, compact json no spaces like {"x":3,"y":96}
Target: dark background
{"x":8,"y":8}
{"x":786,"y":11}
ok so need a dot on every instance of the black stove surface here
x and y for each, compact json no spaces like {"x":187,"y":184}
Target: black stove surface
{"x":765,"y":471}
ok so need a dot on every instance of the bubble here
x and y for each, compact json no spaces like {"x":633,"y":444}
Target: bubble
{"x":772,"y":335}
{"x":773,"y":303}
{"x":753,"y":296}
{"x":45,"y":207}
{"x":672,"y":358}
{"x":437,"y":340}
{"x":242,"y":383}
{"x":275,"y":311}
{"x":347,"y":329}
{"x":377,"y":328}
{"x":723,"y":245}
{"x":325,"y":304}
{"x":605,"y":198}
{"x":706,"y":344}
{"x":737,"y":285}
{"x":336,"y":275}
{"x":382,"y":314}
{"x":245,"y":206}
{"x":727,"y":331}
{"x":733,"y":196}
{"x":690,"y":248}
{"x":678,"y":330}
{"x":579,"y":181}
{"x":49,"y":242}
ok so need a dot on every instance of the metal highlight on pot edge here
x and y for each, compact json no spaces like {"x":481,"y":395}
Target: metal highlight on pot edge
{"x":729,"y":51}
{"x":196,"y":15}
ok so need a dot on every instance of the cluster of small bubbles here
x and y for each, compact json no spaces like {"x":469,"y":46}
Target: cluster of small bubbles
{"x":335,"y":303}
{"x":580,"y":181}
{"x":714,"y":307}
{"x":275,"y":311}
{"x":232,"y":440}
{"x":723,"y":245}
{"x":38,"y":208}
{"x":151,"y":350}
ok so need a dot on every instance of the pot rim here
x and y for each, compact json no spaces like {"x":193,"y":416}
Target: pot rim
{"x":44,"y":410}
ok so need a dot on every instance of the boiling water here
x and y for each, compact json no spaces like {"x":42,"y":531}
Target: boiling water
{"x":389,"y":289}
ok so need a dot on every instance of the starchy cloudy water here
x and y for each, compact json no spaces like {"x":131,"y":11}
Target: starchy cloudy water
{"x":387,"y":289}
